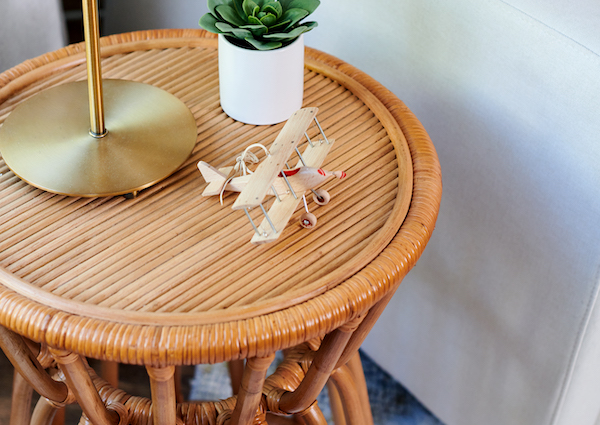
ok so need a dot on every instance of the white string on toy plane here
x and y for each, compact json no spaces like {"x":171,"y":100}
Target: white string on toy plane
{"x":247,"y":157}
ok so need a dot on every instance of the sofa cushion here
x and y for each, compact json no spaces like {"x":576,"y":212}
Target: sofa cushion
{"x":498,"y":322}
{"x":577,"y":21}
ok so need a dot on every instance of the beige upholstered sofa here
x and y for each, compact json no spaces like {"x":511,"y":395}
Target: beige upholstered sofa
{"x":498,"y":324}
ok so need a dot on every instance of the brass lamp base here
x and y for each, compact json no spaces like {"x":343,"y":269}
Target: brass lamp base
{"x":46,"y":141}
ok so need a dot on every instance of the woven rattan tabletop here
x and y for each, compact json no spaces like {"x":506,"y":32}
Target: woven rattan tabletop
{"x":170,"y":258}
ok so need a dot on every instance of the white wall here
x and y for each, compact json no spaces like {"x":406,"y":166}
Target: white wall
{"x":29,"y":28}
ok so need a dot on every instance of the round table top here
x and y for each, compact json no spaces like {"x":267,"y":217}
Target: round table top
{"x":173,"y":259}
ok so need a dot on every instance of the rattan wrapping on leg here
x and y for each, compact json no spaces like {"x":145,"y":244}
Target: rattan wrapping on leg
{"x":21,"y":396}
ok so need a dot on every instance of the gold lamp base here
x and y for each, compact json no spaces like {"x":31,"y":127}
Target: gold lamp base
{"x":46,"y":141}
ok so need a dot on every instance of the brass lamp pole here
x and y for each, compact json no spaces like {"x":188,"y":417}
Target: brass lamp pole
{"x":94,"y":71}
{"x":131,"y":136}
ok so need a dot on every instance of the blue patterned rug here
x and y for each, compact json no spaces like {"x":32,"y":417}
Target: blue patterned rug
{"x":390,"y":402}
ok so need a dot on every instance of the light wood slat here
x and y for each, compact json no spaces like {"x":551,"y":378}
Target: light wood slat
{"x":173,"y":291}
{"x":247,"y":264}
{"x":337,"y":248}
{"x":181,"y":265}
{"x":142,"y":67}
{"x":120,"y":224}
{"x":174,"y":252}
{"x":76,"y":73}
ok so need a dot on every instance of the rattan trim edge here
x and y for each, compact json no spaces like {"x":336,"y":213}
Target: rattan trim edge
{"x":255,"y":335}
{"x":317,"y":287}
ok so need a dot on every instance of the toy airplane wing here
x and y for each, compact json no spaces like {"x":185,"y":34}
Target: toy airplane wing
{"x":283,"y":146}
{"x":315,"y":153}
{"x":279,"y":215}
{"x":281,"y":211}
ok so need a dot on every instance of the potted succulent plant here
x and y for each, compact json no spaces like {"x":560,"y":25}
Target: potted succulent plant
{"x":261,"y":56}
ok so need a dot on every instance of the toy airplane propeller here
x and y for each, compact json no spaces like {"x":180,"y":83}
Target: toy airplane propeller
{"x":273,"y":177}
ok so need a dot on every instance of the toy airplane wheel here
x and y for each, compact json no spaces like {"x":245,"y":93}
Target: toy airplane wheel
{"x":321,"y":197}
{"x":308,"y":220}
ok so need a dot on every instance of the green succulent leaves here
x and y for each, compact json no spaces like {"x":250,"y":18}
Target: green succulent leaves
{"x":259,"y":24}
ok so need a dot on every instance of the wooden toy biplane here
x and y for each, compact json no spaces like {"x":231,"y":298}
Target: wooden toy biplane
{"x":273,"y":177}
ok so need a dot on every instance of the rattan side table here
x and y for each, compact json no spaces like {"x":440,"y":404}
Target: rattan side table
{"x":169,"y":278}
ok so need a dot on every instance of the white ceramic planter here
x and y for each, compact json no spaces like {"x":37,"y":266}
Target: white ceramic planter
{"x":261,"y":87}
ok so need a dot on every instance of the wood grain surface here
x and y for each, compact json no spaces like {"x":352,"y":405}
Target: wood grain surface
{"x":174,"y":264}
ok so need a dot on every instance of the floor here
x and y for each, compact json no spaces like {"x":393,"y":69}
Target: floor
{"x":391,"y":403}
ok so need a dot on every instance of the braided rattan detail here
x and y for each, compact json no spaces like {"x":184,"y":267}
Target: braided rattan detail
{"x":138,"y":410}
{"x":256,"y":333}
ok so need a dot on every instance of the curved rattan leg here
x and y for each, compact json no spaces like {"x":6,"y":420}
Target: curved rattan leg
{"x":84,"y":420}
{"x":251,"y":387}
{"x":44,"y":412}
{"x":312,"y":416}
{"x":109,"y":371}
{"x":358,"y":376}
{"x":22,"y":393}
{"x":26,"y":363}
{"x":273,"y":419}
{"x":179,"y":397}
{"x":343,"y":380}
{"x":59,"y":416}
{"x":236,"y":371}
{"x":335,"y":402}
{"x":164,"y":400}
{"x":365,"y":327}
{"x":80,"y":383}
{"x":325,"y":360}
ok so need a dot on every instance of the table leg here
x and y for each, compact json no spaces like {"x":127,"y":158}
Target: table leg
{"x":84,"y":420}
{"x":80,"y":383}
{"x":44,"y":412}
{"x":335,"y":402}
{"x":343,"y":381}
{"x":250,"y":392}
{"x":273,"y":419}
{"x":26,"y":363}
{"x":22,"y":394}
{"x":59,"y":417}
{"x":164,"y":400}
{"x":358,"y":376}
{"x":318,"y":374}
{"x":109,"y":371}
{"x":236,"y":370}
{"x":364,"y":328}
{"x":312,"y":416}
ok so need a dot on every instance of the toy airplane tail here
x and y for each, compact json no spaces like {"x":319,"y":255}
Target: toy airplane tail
{"x":210,"y":173}
{"x":215,"y":178}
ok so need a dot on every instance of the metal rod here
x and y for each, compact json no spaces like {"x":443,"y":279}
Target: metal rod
{"x":251,"y":221}
{"x":268,"y":218}
{"x":289,"y":185}
{"x":309,"y":141}
{"x":305,"y":204}
{"x":275,"y":192}
{"x":94,"y":72}
{"x":321,"y":130}
{"x":300,"y":156}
